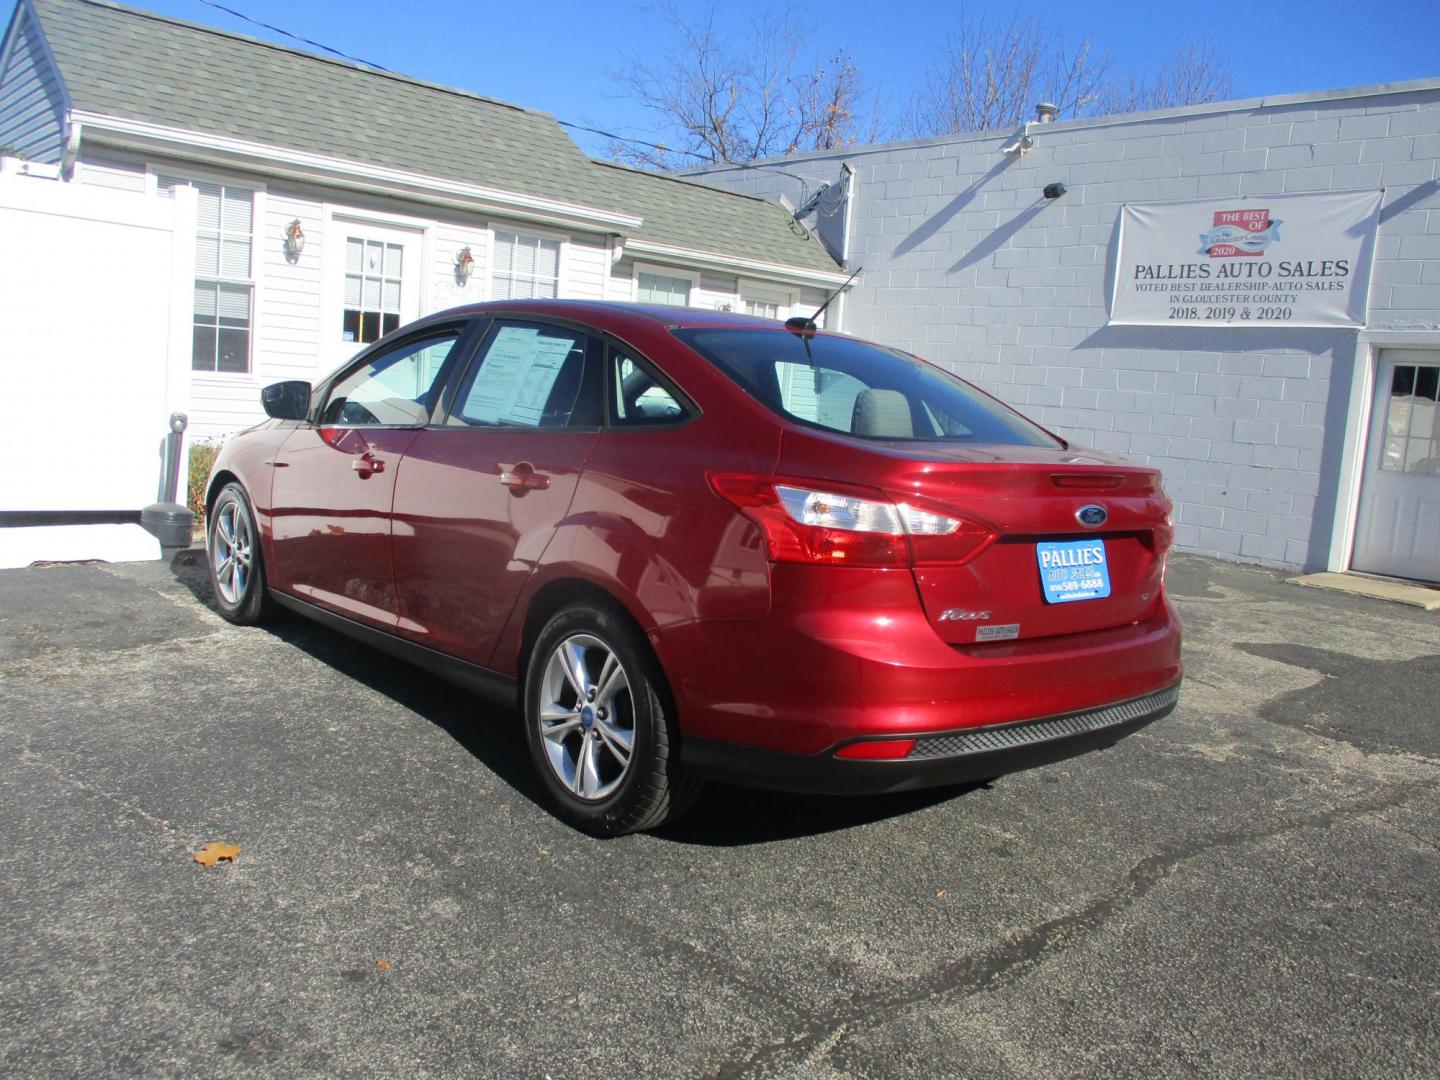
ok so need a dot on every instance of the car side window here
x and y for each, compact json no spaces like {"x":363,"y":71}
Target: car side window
{"x":637,"y":395}
{"x":527,"y":375}
{"x":394,"y":388}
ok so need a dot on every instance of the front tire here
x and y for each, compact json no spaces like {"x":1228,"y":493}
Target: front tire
{"x":237,"y":570}
{"x":601,"y":738}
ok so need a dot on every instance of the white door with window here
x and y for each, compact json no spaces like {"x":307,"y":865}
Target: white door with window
{"x":1398,"y":530}
{"x":379,"y":286}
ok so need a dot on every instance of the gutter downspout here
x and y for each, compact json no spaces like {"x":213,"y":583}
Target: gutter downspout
{"x":71,"y":152}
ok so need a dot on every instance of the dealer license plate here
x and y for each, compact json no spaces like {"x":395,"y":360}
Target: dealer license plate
{"x":1073,"y":570}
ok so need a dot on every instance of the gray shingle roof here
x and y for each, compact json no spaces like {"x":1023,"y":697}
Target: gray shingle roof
{"x":691,"y":215}
{"x":128,"y":63}
{"x":122,"y":62}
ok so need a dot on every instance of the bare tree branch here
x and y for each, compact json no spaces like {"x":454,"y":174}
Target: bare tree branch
{"x":1192,"y":75}
{"x":991,"y":75}
{"x":737,"y":99}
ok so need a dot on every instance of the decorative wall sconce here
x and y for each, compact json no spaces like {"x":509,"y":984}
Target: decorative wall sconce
{"x":464,"y":265}
{"x":294,"y":240}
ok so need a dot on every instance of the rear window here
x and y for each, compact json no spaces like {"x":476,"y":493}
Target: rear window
{"x":860,"y":389}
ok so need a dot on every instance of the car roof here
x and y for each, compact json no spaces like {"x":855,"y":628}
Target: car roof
{"x":609,"y":313}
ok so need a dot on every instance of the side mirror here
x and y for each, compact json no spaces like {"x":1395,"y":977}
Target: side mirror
{"x":286,"y":400}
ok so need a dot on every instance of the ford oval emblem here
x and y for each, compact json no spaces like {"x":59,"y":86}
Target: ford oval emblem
{"x":1091,"y":516}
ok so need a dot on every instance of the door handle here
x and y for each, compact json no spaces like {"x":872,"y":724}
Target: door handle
{"x":524,"y":478}
{"x":366,"y":464}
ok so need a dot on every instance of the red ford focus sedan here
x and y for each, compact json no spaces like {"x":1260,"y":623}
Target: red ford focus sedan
{"x":689,"y":544}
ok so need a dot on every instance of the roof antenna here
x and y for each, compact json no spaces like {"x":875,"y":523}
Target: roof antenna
{"x":804,"y":328}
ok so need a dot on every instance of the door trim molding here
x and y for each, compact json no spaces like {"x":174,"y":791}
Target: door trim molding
{"x":1366,"y":361}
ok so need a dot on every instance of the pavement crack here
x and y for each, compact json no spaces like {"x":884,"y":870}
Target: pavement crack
{"x":28,"y":756}
{"x":1001,"y":964}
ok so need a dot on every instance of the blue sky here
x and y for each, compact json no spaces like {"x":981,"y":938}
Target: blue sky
{"x":557,"y":55}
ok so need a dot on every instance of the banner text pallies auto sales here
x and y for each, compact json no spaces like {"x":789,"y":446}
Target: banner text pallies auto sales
{"x":1240,"y":282}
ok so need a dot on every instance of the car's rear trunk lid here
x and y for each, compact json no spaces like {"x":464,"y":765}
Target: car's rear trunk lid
{"x":1080,"y":535}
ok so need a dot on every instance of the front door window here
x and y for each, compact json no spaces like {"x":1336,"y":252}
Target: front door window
{"x":374,"y":270}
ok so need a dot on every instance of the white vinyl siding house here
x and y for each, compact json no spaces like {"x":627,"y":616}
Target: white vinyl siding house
{"x":384,"y":218}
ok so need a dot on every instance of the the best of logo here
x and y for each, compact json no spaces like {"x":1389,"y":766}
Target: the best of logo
{"x":1240,"y":233}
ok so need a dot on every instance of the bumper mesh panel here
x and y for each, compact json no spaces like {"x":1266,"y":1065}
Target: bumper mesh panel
{"x":1006,"y":738}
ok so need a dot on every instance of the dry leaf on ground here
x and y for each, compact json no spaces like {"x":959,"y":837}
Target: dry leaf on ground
{"x":216,"y":851}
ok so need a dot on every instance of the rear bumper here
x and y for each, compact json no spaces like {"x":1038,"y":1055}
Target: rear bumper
{"x":846,"y":654}
{"x":938,"y":758}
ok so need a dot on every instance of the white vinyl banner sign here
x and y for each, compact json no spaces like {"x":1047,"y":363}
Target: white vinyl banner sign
{"x":1289,"y":260}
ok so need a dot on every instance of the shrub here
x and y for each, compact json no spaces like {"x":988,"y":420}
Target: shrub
{"x":202,"y":457}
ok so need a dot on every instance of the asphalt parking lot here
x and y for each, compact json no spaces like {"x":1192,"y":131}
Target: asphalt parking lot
{"x":1249,"y":887}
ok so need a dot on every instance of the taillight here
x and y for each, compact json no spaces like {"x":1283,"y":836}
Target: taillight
{"x":1164,"y":538}
{"x":849,"y":527}
{"x":1165,"y":532}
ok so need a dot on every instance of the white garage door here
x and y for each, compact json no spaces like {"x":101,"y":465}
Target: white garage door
{"x":1399,"y":524}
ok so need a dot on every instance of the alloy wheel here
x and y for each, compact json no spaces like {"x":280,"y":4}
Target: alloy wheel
{"x":587,"y":717}
{"x":231,"y":552}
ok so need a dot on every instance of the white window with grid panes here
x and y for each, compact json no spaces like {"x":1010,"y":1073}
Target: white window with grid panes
{"x":223,"y":311}
{"x":374,"y":270}
{"x":671,"y":290}
{"x":765,"y":301}
{"x":524,"y":267}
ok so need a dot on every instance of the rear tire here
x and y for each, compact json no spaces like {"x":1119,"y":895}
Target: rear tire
{"x":604,"y":744}
{"x":237,"y":569}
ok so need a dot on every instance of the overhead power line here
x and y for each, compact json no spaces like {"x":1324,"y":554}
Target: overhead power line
{"x":297,"y":37}
{"x":804,"y":184}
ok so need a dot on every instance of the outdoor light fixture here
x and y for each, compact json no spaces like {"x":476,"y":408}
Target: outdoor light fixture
{"x":1054,"y":191}
{"x":464,"y":265}
{"x":294,"y":240}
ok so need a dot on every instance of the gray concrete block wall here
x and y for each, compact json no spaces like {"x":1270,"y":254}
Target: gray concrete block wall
{"x":967,"y":265}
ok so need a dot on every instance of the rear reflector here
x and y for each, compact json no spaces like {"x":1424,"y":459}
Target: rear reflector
{"x":877,"y":750}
